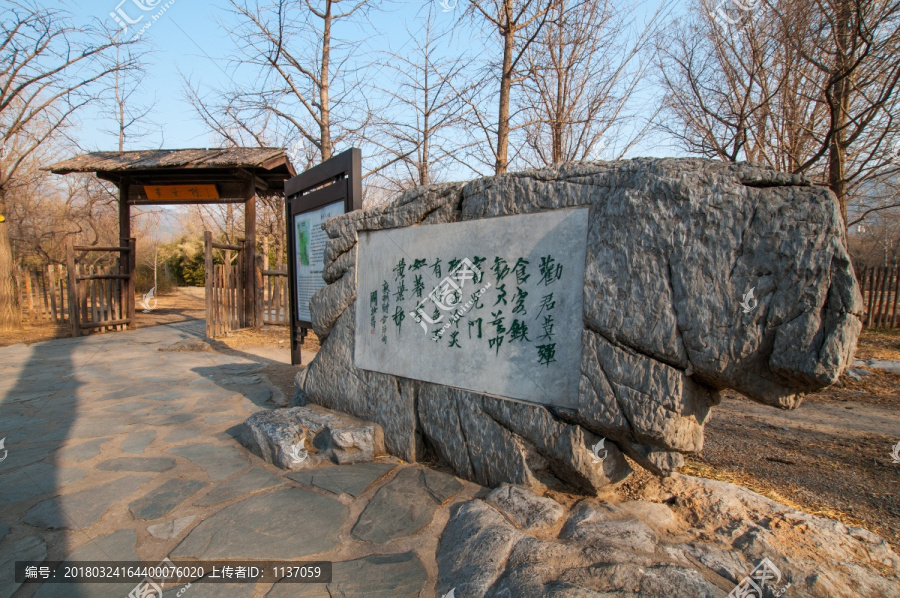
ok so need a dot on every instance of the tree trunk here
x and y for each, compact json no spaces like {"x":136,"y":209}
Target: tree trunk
{"x":426,"y":132}
{"x":839,"y":105}
{"x":324,"y":110}
{"x":557,"y":126}
{"x":509,"y":40}
{"x":10,"y":317}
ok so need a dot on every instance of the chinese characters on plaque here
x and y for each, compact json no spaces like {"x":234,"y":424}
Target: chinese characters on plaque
{"x":181,"y":192}
{"x":490,"y":305}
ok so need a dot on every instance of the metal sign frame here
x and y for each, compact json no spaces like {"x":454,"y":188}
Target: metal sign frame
{"x":336,"y":179}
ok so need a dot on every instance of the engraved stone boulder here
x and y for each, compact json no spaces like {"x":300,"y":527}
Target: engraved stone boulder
{"x":698,"y":276}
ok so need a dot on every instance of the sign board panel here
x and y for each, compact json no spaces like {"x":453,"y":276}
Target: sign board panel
{"x":309,"y":253}
{"x":180,"y":192}
{"x":329,"y":189}
{"x":492,"y":306}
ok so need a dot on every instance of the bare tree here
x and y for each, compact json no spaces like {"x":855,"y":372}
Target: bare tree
{"x":45,"y":210}
{"x":270,"y":225}
{"x":806,"y":86}
{"x":517,"y":23}
{"x":876,"y":243}
{"x":131,"y":108}
{"x":50,"y":69}
{"x":582,"y":72}
{"x":853,"y":47}
{"x":426,"y":92}
{"x":305,"y":78}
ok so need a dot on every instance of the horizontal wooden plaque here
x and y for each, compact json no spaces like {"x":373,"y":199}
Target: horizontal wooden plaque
{"x":176,"y":192}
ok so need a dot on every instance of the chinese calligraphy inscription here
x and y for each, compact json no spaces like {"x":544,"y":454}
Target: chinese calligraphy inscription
{"x":493,"y":305}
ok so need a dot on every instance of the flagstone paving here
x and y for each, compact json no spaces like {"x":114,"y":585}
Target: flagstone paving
{"x":405,"y":505}
{"x":119,"y":451}
{"x":156,"y":464}
{"x":350,"y":479}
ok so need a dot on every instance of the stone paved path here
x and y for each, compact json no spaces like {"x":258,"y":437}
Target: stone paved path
{"x":120,"y":451}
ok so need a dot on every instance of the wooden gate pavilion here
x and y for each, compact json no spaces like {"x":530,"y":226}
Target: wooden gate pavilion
{"x":178,"y":177}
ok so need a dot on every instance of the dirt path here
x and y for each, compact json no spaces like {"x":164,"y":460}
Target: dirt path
{"x":181,"y":305}
{"x":831,"y":456}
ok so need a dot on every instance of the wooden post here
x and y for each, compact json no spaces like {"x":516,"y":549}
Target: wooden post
{"x":885,"y":302}
{"x":208,"y":278}
{"x":285,"y":298}
{"x":72,"y":288}
{"x":879,"y":297}
{"x":127,"y":260}
{"x":132,"y":262}
{"x":894,"y":323}
{"x":28,"y":291}
{"x":51,"y":282}
{"x":124,"y":211}
{"x":249,"y":266}
{"x":92,"y":297}
{"x":871,"y":298}
{"x":47,"y":287}
{"x":888,"y":314}
{"x":259,"y":289}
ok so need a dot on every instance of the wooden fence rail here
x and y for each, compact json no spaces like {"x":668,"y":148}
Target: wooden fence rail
{"x":276,"y":302}
{"x":43,"y":294}
{"x":880,"y":289}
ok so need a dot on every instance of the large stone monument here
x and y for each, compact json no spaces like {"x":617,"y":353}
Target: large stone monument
{"x":508,"y":325}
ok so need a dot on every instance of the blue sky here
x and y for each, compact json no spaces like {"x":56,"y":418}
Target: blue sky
{"x":188,"y":39}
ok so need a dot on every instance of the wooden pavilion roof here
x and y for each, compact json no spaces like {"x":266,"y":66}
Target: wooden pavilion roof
{"x":231,"y":169}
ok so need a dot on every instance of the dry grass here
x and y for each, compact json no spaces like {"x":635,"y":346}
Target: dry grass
{"x":703,"y":470}
{"x":34,"y":333}
{"x":267,"y":336}
{"x":879,"y":343}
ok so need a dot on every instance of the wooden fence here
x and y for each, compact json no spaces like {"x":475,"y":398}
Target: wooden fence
{"x":880,"y":289}
{"x":100,"y":299}
{"x":43,"y":294}
{"x":225,"y":287}
{"x":276,"y":301}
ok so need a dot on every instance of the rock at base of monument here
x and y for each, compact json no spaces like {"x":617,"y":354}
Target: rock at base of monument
{"x":688,"y":537}
{"x":525,"y":508}
{"x":492,"y":441}
{"x":299,"y":399}
{"x":299,"y":438}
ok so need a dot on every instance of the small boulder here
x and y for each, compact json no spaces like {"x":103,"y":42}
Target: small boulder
{"x":299,"y":438}
{"x":857,"y":374}
{"x":891,"y":366}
